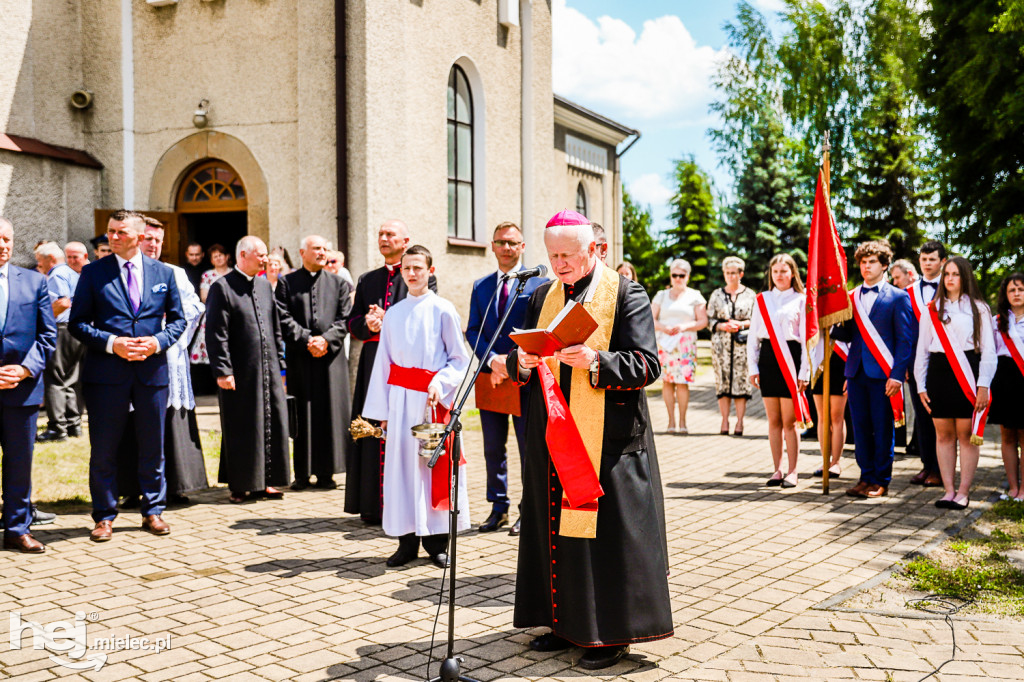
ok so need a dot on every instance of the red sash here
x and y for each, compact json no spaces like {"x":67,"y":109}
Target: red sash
{"x":785,"y":361}
{"x":1016,"y":352}
{"x":415,"y":379}
{"x":568,"y":453}
{"x":880,"y":352}
{"x":964,"y":375}
{"x":916,"y":299}
{"x":841,"y":348}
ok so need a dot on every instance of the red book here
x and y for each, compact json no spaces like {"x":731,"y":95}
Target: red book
{"x":572,"y":326}
{"x":503,"y":398}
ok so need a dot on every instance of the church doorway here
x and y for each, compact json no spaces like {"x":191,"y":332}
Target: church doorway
{"x":212,"y":208}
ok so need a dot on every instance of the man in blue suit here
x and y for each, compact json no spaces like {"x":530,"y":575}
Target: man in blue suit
{"x":28,"y":336}
{"x":119,"y":313}
{"x":886,"y":310}
{"x":508,"y":246}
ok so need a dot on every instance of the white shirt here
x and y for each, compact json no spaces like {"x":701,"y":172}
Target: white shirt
{"x":867,"y":298}
{"x":791,"y":306}
{"x":136,"y":262}
{"x":5,"y":283}
{"x":1014,"y":324}
{"x":960,"y":330}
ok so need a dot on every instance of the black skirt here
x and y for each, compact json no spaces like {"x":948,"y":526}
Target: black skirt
{"x":947,"y":399}
{"x":1007,"y":389}
{"x":773,"y":382}
{"x":836,"y":377}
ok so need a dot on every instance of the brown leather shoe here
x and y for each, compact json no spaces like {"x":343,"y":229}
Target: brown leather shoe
{"x":155,"y":525}
{"x":873,"y":491}
{"x":857,"y":490}
{"x":24,"y":543}
{"x":932,"y":481}
{"x":103,"y":531}
{"x":919,"y":478}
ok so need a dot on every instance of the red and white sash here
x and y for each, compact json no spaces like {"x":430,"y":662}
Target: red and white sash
{"x":917,"y":301}
{"x":880,"y":352}
{"x":964,"y":376}
{"x":769,"y":314}
{"x":1015,"y":345}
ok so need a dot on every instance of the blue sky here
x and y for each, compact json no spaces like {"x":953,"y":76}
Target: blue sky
{"x":647,"y":64}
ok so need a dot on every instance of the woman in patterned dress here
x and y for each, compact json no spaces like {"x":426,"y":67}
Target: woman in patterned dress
{"x":202,"y":378}
{"x":679,"y":313}
{"x":729,"y":311}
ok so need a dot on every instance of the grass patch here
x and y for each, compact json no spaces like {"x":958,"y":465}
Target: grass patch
{"x":60,"y":471}
{"x":984,"y":562}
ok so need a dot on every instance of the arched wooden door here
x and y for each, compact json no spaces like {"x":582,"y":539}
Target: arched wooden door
{"x":212,"y":207}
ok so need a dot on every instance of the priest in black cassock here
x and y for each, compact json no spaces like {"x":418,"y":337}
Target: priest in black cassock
{"x":243,"y":339}
{"x":313,"y":304}
{"x":376,"y":291}
{"x":593,"y":558}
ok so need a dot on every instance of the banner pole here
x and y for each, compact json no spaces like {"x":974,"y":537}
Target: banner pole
{"x":825,"y":418}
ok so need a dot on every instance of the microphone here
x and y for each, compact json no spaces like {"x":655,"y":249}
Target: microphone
{"x":537,"y":271}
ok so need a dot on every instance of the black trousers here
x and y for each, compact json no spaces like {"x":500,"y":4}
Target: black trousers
{"x":924,"y":431}
{"x":433,"y":544}
{"x":60,"y":379}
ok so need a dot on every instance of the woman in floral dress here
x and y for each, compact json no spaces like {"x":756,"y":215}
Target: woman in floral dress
{"x":202,"y":378}
{"x":729,"y":311}
{"x":679,"y":313}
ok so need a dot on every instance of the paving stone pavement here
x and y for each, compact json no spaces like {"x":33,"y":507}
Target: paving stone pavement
{"x":298,"y":590}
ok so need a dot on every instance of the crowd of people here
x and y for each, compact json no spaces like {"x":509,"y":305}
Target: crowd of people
{"x":908,"y":331}
{"x":133,"y":339}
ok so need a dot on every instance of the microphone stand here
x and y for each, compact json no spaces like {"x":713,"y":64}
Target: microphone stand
{"x":450,"y":666}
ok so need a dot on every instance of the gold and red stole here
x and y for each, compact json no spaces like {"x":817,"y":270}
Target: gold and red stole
{"x":575,"y":436}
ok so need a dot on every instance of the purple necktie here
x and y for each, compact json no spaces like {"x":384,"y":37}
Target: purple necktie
{"x":503,"y":297}
{"x":133,"y":287}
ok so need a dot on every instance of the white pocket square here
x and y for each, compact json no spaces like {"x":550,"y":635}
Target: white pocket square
{"x":157,"y":288}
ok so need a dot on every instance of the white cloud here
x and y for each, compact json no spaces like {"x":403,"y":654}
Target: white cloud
{"x":650,"y":190}
{"x":660,"y":74}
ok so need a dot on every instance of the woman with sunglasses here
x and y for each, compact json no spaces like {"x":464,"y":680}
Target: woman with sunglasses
{"x":679,"y":313}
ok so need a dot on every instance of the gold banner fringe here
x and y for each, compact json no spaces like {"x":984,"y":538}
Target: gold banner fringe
{"x":977,"y":440}
{"x":901,"y":422}
{"x":803,"y":426}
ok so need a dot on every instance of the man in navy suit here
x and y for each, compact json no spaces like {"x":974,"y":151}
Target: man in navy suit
{"x":869,"y":387}
{"x":119,"y":313}
{"x":508,"y":246}
{"x":28,"y":335}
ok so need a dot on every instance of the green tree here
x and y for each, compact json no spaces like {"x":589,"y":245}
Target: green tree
{"x":694,"y":234}
{"x":639,"y":245}
{"x":892,"y":193}
{"x":770,"y":215}
{"x":971,"y":80}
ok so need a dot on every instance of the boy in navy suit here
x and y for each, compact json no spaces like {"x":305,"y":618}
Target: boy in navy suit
{"x":118,"y":313}
{"x":881,"y":348}
{"x":29,"y":335}
{"x":508,"y":246}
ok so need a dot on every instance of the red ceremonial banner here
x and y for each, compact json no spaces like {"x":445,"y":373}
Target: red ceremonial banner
{"x":827,"y":300}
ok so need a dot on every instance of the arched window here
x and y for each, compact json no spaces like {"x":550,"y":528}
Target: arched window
{"x":581,"y":200}
{"x":460,"y":156}
{"x":211,"y":186}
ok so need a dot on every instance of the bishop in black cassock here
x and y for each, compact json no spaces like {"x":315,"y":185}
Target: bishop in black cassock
{"x":364,"y":473}
{"x":595,"y":574}
{"x":243,"y":339}
{"x":313,"y":304}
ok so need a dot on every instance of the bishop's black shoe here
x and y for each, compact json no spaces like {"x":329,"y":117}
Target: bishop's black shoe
{"x":550,"y":642}
{"x":596,"y":658}
{"x":440,"y":559}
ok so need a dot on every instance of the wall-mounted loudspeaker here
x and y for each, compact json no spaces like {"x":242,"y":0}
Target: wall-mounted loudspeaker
{"x":81,"y":99}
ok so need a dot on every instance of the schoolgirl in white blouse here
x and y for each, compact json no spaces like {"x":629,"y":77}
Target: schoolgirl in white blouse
{"x":787,"y":292}
{"x":967,"y":322}
{"x":1008,"y":383}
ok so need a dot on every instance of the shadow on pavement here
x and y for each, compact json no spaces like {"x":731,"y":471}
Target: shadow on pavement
{"x":492,"y":590}
{"x":408,"y":660}
{"x":354,"y":528}
{"x":354,"y":567}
